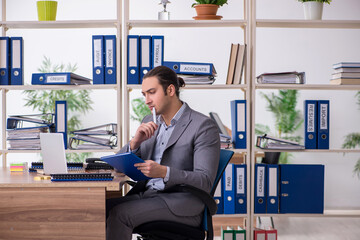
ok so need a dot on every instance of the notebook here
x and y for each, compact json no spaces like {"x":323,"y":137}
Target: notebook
{"x":53,"y":153}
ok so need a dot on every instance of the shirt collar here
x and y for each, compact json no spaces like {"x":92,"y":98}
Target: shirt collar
{"x":176,"y":116}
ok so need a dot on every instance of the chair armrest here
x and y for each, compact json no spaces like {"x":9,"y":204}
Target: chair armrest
{"x":202,"y":195}
{"x":131,"y":183}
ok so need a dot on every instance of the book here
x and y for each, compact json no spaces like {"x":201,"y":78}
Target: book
{"x":345,"y":75}
{"x":232,"y":62}
{"x":346,"y":65}
{"x":281,"y":78}
{"x":345,"y":81}
{"x":347,"y":70}
{"x":240,"y":64}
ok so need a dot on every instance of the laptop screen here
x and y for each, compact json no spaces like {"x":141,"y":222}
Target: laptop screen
{"x":53,"y":153}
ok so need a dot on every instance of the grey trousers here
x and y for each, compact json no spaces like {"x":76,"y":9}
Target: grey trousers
{"x":126,"y":213}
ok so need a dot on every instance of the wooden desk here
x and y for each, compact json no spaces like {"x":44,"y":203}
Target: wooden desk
{"x":43,"y":209}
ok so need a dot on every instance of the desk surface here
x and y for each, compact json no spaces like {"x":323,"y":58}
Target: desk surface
{"x":26,"y":179}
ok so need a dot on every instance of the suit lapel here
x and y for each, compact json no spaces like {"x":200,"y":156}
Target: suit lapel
{"x":180,"y":127}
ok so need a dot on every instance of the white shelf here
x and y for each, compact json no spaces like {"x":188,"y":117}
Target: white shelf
{"x":185,"y":23}
{"x":199,"y":87}
{"x":59,"y":87}
{"x":312,"y":150}
{"x":66,"y":151}
{"x":59,"y":24}
{"x":327,"y":213}
{"x":334,"y":24}
{"x":308,"y":86}
{"x":230,"y":215}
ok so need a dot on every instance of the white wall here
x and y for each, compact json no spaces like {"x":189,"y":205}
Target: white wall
{"x":310,"y":50}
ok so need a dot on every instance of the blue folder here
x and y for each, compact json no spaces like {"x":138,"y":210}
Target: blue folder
{"x":218,"y":197}
{"x":133,"y":68}
{"x":16,"y":63}
{"x":191,"y":68}
{"x":157,"y":51}
{"x":229,"y":190}
{"x":98,"y":59}
{"x":272,"y":197}
{"x":124,"y":162}
{"x":240,"y":188}
{"x":323,"y":126}
{"x":310,"y":114}
{"x":110,"y":59}
{"x":4,"y":61}
{"x":301,"y":188}
{"x":58,"y":78}
{"x":145,"y":55}
{"x":260,"y":188}
{"x":238,"y":123}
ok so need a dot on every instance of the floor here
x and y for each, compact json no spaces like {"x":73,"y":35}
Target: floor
{"x":314,"y":228}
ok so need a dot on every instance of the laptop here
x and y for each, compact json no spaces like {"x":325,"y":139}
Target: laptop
{"x":53,"y":153}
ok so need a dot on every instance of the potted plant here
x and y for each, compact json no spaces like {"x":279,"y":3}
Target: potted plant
{"x":207,"y":9}
{"x":313,"y":8}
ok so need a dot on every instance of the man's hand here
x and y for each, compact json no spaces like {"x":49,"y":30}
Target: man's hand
{"x":144,"y":132}
{"x":152,"y":169}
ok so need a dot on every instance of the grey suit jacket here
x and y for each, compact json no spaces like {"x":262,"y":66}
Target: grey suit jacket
{"x":192,"y":154}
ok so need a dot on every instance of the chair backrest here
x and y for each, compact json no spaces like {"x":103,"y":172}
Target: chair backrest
{"x":225,"y":156}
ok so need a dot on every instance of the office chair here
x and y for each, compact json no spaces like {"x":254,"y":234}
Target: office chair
{"x":164,"y":230}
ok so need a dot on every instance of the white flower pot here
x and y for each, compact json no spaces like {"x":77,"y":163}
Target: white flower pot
{"x":313,"y":10}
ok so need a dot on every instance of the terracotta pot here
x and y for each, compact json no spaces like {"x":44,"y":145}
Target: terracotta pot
{"x":206,"y":9}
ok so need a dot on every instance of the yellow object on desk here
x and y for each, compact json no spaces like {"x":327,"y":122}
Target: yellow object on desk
{"x":39,"y":178}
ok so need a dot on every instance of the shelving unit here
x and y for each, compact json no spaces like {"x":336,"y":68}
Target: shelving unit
{"x":124,"y":25}
{"x":58,"y":25}
{"x":295,"y":24}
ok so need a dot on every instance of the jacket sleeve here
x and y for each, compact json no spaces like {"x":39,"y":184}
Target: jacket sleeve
{"x":206,"y":153}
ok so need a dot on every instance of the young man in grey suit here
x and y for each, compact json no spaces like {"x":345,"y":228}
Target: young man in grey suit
{"x":182,"y":146}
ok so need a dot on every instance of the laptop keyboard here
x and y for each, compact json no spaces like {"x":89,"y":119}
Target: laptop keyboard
{"x":81,"y":177}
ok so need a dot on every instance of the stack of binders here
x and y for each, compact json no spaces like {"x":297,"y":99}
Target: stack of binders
{"x":289,"y":188}
{"x":233,"y":234}
{"x":347,"y":73}
{"x":268,"y":142}
{"x":317,"y":124}
{"x":265,"y":234}
{"x":104,"y":59}
{"x":11,"y":61}
{"x":193,"y":73}
{"x":144,"y":53}
{"x":230,"y":194}
{"x":281,"y":78}
{"x":24,"y":130}
{"x":98,"y":137}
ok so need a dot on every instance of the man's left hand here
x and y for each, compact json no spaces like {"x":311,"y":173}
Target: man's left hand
{"x":152,"y":169}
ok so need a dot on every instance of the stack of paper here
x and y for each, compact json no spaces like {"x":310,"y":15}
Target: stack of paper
{"x":347,"y":73}
{"x":281,"y":78}
{"x":98,"y":137}
{"x":24,"y":130}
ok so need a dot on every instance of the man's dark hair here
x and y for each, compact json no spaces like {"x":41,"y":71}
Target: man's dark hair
{"x":166,"y":77}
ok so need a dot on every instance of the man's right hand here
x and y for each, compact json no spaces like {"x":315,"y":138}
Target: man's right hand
{"x":144,"y":132}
